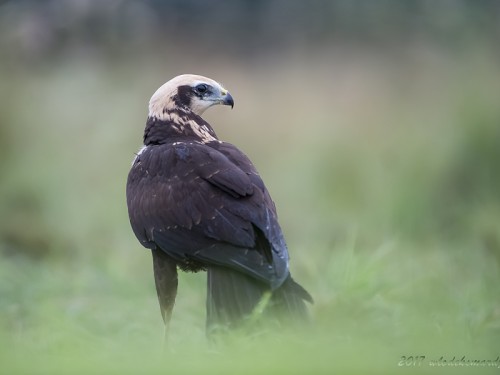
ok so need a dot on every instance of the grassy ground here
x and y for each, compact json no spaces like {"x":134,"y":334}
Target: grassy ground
{"x":384,"y":172}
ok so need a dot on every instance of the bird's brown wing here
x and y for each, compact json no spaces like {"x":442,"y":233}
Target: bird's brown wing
{"x":207,"y":204}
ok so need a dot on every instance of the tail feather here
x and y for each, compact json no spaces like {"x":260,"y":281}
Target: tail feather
{"x":232,"y":298}
{"x":289,"y":301}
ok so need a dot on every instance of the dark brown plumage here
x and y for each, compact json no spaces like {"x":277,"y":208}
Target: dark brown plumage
{"x":199,"y":204}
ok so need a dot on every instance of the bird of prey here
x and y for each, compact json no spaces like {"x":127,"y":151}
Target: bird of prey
{"x":199,"y":204}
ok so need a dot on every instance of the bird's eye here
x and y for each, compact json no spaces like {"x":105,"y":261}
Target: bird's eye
{"x":202,"y":88}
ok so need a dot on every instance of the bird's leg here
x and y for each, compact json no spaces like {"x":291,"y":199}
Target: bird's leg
{"x":165,"y":271}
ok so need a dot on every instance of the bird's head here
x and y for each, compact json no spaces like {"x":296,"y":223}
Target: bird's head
{"x":189,"y":92}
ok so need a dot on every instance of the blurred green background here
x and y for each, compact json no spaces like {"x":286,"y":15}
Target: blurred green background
{"x":375,"y":125}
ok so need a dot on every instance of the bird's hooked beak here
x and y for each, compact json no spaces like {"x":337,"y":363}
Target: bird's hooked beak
{"x":226,"y":98}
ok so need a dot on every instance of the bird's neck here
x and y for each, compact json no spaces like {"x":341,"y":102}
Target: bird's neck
{"x":177,"y":125}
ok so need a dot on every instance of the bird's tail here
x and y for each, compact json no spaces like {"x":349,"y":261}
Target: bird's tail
{"x":235,"y":299}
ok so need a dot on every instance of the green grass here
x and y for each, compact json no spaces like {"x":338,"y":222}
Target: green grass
{"x":385,"y":178}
